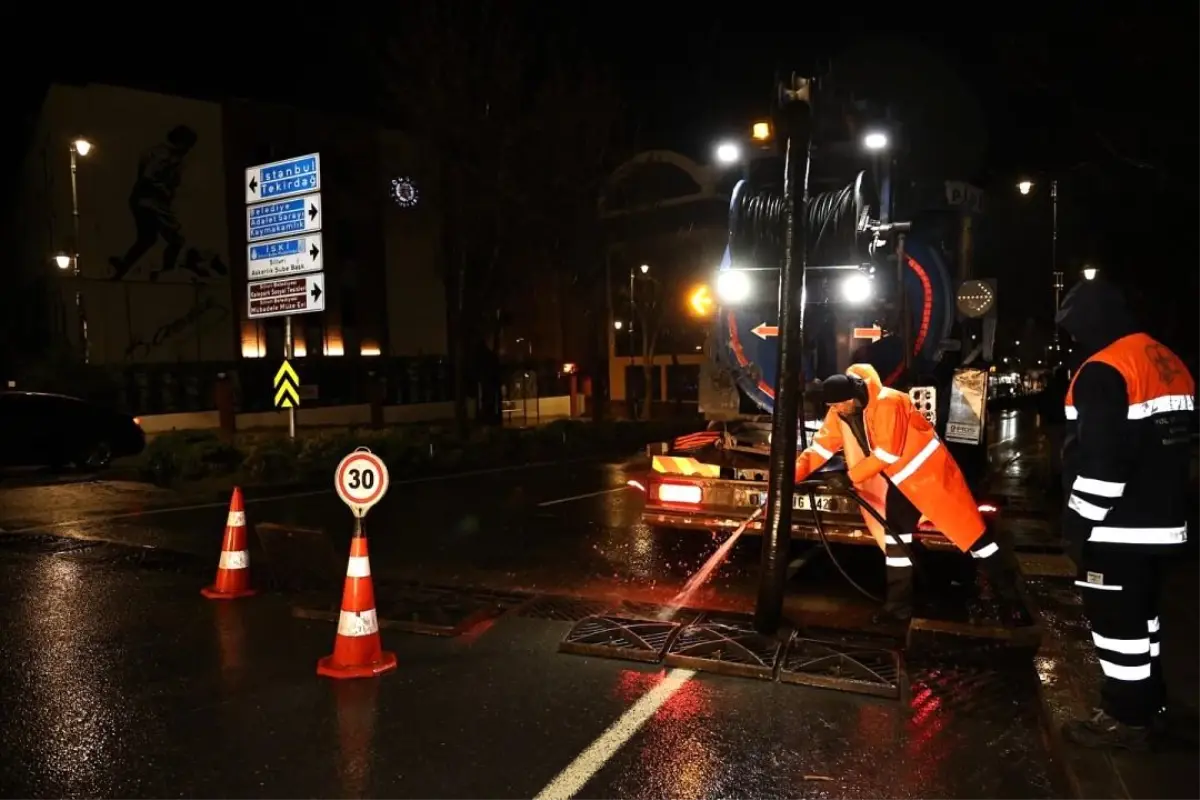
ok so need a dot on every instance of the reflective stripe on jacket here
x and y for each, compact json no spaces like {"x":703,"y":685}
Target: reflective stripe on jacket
{"x":1130,"y":413}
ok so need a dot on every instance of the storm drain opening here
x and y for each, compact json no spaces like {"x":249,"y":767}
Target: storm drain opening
{"x":726,"y":644}
{"x":845,"y":665}
{"x":620,"y":637}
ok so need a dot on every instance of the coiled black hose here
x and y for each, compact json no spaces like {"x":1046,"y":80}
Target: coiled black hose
{"x":835,"y":220}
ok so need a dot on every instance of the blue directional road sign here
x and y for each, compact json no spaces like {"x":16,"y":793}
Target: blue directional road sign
{"x":283,"y":217}
{"x":281,"y":179}
{"x":283,"y":257}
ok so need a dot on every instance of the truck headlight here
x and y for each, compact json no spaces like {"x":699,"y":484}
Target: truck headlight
{"x":733,"y":286}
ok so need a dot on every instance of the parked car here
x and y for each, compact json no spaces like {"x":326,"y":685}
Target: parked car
{"x":54,"y":430}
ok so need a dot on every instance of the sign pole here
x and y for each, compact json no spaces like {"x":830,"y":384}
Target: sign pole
{"x":288,"y":352}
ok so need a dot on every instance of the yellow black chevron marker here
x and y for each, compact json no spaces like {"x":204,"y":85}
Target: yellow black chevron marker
{"x":287,"y":387}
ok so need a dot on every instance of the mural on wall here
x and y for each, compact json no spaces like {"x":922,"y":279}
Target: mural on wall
{"x":154,"y":233}
{"x":159,"y":174}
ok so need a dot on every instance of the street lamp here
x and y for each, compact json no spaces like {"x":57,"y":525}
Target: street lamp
{"x":856,"y":289}
{"x":875,"y":141}
{"x":79,"y":147}
{"x":645,"y":268}
{"x":728,"y":153}
{"x":62,"y":260}
{"x":1089,"y":273}
{"x":617,"y":325}
{"x":1025,"y":187}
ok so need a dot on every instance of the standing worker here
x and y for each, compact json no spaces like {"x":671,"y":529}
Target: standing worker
{"x":882,"y":434}
{"x":1130,"y":411}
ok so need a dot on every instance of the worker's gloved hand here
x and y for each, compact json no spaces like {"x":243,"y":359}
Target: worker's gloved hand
{"x":838,"y":481}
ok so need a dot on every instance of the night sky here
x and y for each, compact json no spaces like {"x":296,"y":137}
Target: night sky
{"x":1108,"y":104}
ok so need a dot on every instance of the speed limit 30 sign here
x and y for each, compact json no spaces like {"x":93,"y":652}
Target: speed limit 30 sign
{"x":361,"y":481}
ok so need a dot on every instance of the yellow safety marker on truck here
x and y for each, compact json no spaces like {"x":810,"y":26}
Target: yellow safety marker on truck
{"x":683,"y":465}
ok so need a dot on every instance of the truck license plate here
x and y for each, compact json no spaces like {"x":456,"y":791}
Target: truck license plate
{"x":800,"y":502}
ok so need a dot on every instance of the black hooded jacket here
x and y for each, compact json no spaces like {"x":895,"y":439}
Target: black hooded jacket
{"x":1127,"y":441}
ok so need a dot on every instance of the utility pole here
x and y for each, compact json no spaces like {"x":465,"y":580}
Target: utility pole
{"x":795,"y":97}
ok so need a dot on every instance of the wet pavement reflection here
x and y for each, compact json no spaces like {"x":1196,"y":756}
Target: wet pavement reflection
{"x":120,"y":680}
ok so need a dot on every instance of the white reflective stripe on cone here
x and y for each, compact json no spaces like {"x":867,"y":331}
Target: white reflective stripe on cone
{"x":234,"y":559}
{"x":1154,"y":649}
{"x":1087,"y":510}
{"x":904,"y":537}
{"x":885,"y":456}
{"x":1120,"y":672}
{"x":1098,"y":487}
{"x":358,"y":567}
{"x":358,"y":623}
{"x":1129,"y":647}
{"x":916,"y":462}
{"x":1152,"y":625}
{"x":1161,"y":405}
{"x":821,"y":451}
{"x":1139,"y":535}
{"x":901,"y":561}
{"x":986,"y":551}
{"x":1104,"y":586}
{"x":1070,"y":412}
{"x":237,"y":519}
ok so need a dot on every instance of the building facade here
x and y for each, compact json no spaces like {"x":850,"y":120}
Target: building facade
{"x":154,"y":210}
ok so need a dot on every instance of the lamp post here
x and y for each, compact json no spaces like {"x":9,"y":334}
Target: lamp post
{"x":79,"y":148}
{"x":1025,"y":187}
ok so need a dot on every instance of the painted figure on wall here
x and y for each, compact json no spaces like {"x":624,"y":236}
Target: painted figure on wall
{"x":160,"y":172}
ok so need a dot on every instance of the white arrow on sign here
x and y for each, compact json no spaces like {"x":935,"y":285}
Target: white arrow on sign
{"x":361,"y":480}
{"x":295,"y":255}
{"x":763,"y":330}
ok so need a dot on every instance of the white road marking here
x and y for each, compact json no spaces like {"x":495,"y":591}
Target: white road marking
{"x":568,"y":782}
{"x":289,"y":496}
{"x":580,"y":496}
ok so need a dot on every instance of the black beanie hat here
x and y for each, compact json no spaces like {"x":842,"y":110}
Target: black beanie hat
{"x":840,"y":388}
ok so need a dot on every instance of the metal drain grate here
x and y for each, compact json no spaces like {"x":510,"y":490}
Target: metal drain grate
{"x":563,"y":609}
{"x":620,"y":637}
{"x":659,"y":613}
{"x":725,"y":644}
{"x":860,"y":667}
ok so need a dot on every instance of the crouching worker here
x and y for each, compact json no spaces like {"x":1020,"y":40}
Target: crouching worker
{"x":881,"y":433}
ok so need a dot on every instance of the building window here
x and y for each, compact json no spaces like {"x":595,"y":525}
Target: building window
{"x":254,"y":344}
{"x":369,"y":347}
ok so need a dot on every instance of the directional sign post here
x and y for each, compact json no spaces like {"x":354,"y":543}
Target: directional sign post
{"x":285,"y":259}
{"x":279,"y":257}
{"x":287,"y":386}
{"x":283,"y":218}
{"x":281,"y":179}
{"x":361,"y":480}
{"x":286,"y":296}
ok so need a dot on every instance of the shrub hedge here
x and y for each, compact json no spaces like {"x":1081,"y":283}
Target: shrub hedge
{"x":408,"y":450}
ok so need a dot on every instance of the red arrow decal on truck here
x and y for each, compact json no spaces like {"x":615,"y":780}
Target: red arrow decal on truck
{"x":764,"y":330}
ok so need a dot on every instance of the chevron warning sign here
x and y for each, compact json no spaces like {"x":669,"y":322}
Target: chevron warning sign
{"x":287,"y":387}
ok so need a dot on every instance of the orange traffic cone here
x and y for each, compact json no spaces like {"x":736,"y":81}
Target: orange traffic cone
{"x":233,"y":571}
{"x":357,"y":649}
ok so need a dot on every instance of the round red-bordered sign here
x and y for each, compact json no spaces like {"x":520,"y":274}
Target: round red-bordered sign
{"x":361,"y":480}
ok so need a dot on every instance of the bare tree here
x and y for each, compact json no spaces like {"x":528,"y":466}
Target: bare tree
{"x":521,"y":133}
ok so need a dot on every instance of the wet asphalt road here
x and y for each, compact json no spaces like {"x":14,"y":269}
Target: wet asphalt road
{"x":120,"y":680}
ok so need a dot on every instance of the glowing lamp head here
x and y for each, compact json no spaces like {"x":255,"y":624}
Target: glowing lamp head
{"x":62,"y":261}
{"x":733,"y":286}
{"x":876,"y":141}
{"x":856,"y":289}
{"x":1025,"y":187}
{"x":728,"y":153}
{"x":81,"y":146}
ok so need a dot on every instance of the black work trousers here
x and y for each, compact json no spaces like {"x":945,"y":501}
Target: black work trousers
{"x":903,"y":516}
{"x":1120,"y":592}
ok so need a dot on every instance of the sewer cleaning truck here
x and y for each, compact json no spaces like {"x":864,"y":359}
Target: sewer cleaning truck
{"x":875,"y":291}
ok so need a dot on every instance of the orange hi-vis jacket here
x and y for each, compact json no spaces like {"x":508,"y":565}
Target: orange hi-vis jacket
{"x":1130,"y":415}
{"x":836,"y":436}
{"x":905,"y":448}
